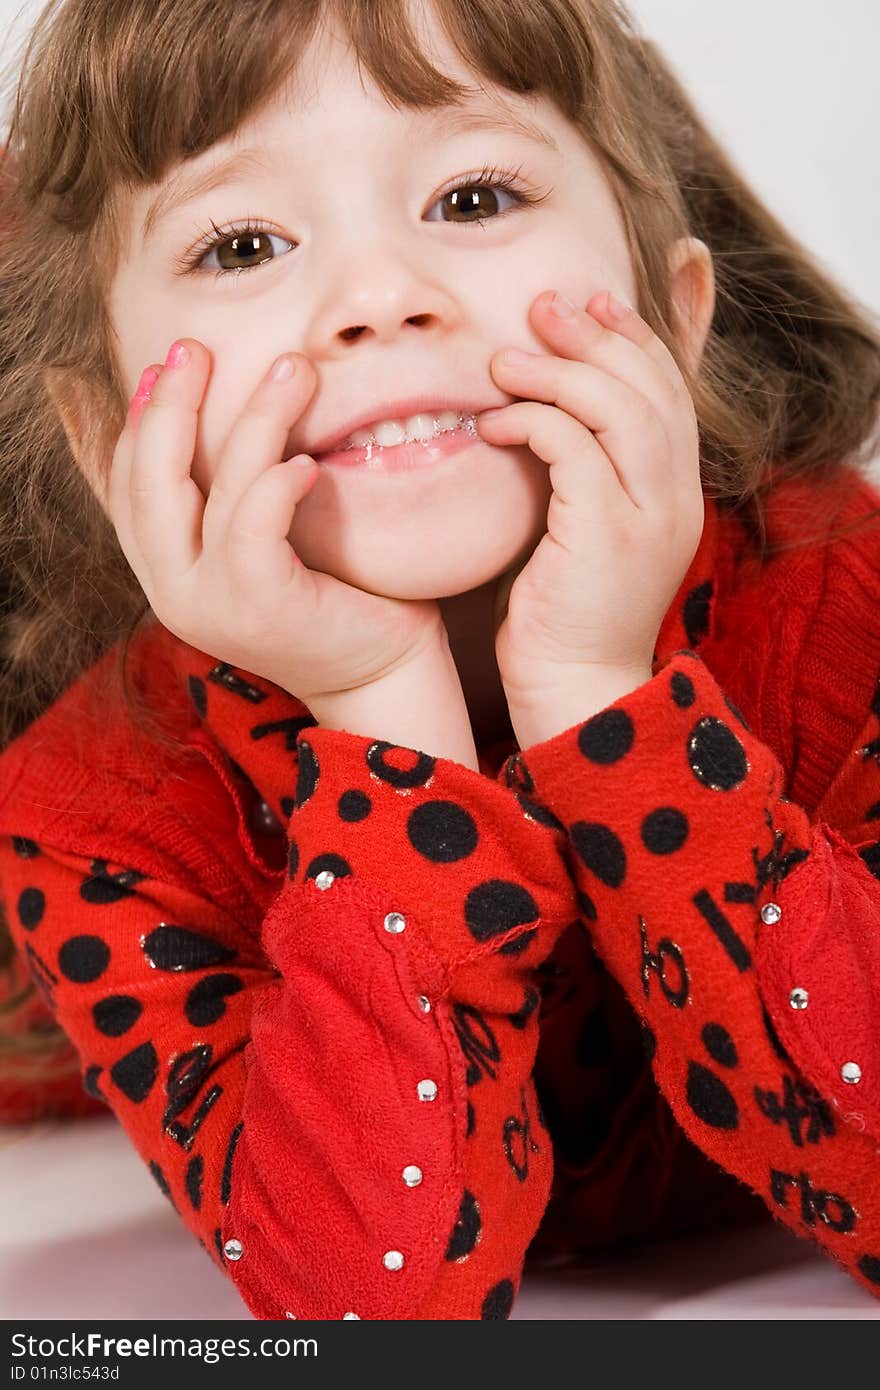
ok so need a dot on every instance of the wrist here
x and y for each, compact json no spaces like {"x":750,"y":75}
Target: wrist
{"x":418,"y":705}
{"x":542,"y":715}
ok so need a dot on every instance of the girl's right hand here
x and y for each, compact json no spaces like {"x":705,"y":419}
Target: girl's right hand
{"x":221,"y":574}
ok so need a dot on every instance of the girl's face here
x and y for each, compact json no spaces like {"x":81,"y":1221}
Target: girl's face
{"x":373,"y":271}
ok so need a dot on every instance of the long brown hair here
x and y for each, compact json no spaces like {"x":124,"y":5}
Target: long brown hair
{"x":111,"y":94}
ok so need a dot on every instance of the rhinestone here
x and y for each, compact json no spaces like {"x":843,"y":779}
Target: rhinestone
{"x":427,"y":1090}
{"x":233,"y":1249}
{"x":771,"y":912}
{"x":412,"y":1175}
{"x":392,"y":1259}
{"x":394,"y":922}
{"x":324,"y":879}
{"x":356,"y":1316}
{"x":264,"y":818}
{"x":851,"y":1071}
{"x":799,"y":998}
{"x":424,"y":1004}
{"x":290,"y":1315}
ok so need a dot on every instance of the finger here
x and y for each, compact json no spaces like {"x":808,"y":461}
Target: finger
{"x":623,"y":344}
{"x":114,"y":488}
{"x":166,"y":505}
{"x":260,"y":559}
{"x":585,"y":482}
{"x":256,"y":441}
{"x":625,"y":424}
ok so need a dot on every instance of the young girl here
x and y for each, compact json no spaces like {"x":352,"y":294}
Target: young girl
{"x":434,"y":834}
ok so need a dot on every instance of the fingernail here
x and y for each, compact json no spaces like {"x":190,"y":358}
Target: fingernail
{"x":149,"y":377}
{"x":178,"y":355}
{"x":562,"y":307}
{"x":616,"y":308}
{"x":282,"y":368}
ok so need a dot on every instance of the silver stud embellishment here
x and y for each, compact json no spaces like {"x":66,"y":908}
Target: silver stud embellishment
{"x":394,"y":922}
{"x":799,"y":998}
{"x":233,"y":1249}
{"x":412,"y":1175}
{"x":264,"y":818}
{"x":427,"y":1090}
{"x":770,"y":913}
{"x":424,"y":1004}
{"x":324,"y":879}
{"x":851,"y":1072}
{"x":290,"y":1315}
{"x":346,"y":1316}
{"x":392,"y":1259}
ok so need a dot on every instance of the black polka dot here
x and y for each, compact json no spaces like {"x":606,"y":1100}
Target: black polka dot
{"x":161,"y":1181}
{"x":442,"y":831}
{"x":198,"y":695}
{"x":496,"y":906}
{"x":328,"y":863}
{"x":518,"y":944}
{"x":102,"y":887}
{"x":466,"y":1231}
{"x":25,"y":848}
{"x":288,"y":806}
{"x":607,"y":737}
{"x":471,"y":1121}
{"x":533,"y":810}
{"x":517,"y":776}
{"x":90,"y":1084}
{"x":226,"y":1178}
{"x":716,"y":756}
{"x":115,"y":1015}
{"x":665,"y":830}
{"x":136,"y":1072}
{"x":649,"y":1040}
{"x":31,"y":906}
{"x":869,"y":1265}
{"x":307,"y":773}
{"x":695,"y":612}
{"x":403,"y":778}
{"x":354,"y":806}
{"x":710,"y":1099}
{"x":177,"y":948}
{"x":601,"y":851}
{"x":292,"y":858}
{"x":195,"y":1172}
{"x":586,"y":905}
{"x":682,"y":689}
{"x":218,"y":1245}
{"x":206,"y":1002}
{"x":498,"y":1301}
{"x":719,"y":1045}
{"x":84,"y":958}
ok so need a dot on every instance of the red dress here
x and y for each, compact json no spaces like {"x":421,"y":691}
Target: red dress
{"x":379,"y":1023}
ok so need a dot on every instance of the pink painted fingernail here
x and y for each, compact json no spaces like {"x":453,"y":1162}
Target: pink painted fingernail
{"x":178,"y":355}
{"x":149,"y":377}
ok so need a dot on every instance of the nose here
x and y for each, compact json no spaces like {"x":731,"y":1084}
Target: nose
{"x":385,"y":302}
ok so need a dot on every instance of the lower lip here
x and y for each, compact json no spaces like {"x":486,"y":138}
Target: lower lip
{"x":402,"y":458}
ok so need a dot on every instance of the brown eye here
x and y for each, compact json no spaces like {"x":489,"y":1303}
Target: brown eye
{"x":474,"y":202}
{"x":244,"y":249}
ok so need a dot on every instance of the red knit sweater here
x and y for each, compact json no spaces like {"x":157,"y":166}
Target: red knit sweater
{"x":379,"y":1023}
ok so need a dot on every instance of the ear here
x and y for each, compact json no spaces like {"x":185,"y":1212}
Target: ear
{"x":79,"y":414}
{"x":692,"y":294}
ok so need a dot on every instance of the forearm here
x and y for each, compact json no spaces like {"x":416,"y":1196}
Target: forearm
{"x":420,"y":705}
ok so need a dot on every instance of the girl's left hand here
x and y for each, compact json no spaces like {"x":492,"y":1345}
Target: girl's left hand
{"x":618,"y":428}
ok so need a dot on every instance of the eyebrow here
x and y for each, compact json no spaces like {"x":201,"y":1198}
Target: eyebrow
{"x":181,"y":189}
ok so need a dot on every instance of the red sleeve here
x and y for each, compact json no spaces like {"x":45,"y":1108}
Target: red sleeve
{"x":339,"y":1104}
{"x":745,"y":935}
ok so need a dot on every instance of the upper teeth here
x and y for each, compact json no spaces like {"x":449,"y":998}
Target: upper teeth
{"x":417,"y":427}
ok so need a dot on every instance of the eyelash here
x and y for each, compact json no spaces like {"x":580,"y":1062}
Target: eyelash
{"x":507,"y":180}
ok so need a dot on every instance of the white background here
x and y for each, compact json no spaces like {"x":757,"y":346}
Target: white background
{"x":789,"y":87}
